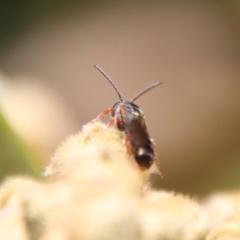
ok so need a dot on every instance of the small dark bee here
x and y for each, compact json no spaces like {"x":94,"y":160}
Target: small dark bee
{"x":129,"y":118}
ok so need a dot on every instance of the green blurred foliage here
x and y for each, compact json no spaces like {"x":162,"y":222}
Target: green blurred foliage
{"x":15,"y":157}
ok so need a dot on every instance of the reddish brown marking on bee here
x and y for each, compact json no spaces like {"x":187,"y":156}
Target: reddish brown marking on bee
{"x":127,"y":142}
{"x":129,"y":118}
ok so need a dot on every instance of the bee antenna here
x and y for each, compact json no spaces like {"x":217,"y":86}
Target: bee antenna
{"x":111,"y":81}
{"x":146,"y":90}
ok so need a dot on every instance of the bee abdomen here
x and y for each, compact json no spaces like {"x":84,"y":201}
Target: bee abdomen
{"x":144,"y":158}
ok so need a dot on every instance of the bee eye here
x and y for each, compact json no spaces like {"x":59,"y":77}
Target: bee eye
{"x":136,"y":109}
{"x":115,"y":105}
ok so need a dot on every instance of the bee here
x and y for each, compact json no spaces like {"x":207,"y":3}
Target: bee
{"x":129,"y":118}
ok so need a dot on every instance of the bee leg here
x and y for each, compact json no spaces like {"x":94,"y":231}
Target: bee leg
{"x":128,"y":145}
{"x":129,"y":150}
{"x":109,"y":125}
{"x":114,"y":119}
{"x":102,"y":114}
{"x":155,"y":158}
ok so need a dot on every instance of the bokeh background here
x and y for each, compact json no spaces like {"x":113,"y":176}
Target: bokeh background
{"x":49,"y":87}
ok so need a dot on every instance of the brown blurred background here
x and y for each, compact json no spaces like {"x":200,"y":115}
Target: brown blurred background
{"x":192,"y":46}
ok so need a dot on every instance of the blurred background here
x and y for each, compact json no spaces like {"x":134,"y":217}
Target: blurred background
{"x":49,"y":87}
